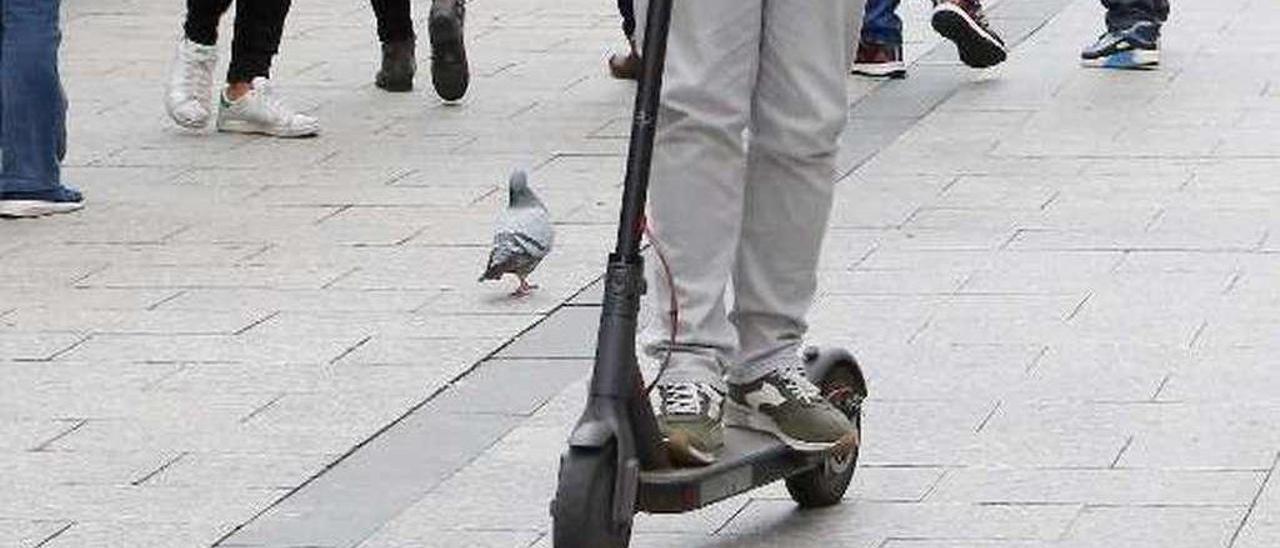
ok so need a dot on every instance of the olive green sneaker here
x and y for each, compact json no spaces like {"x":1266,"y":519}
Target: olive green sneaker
{"x":786,"y":404}
{"x":691,"y":416}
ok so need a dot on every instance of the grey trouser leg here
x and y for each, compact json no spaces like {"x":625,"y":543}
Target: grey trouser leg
{"x":1122,"y":14}
{"x":724,"y":207}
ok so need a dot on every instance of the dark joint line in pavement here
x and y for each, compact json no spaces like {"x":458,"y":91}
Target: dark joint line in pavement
{"x":410,"y":237}
{"x":1155,"y":219}
{"x":1053,"y":198}
{"x":924,"y":326}
{"x":351,"y":349}
{"x":147,"y":477}
{"x":1235,"y":279}
{"x":58,"y":353}
{"x":990,"y":415}
{"x":78,"y":282}
{"x":1123,"y":449}
{"x":934,"y":485}
{"x":181,"y":367}
{"x":262,"y":408}
{"x":1262,"y":241}
{"x":1079,"y":306}
{"x":337,"y":210}
{"x":458,"y":148}
{"x":255,"y":323}
{"x":344,"y":275}
{"x":56,"y":534}
{"x":399,"y":175}
{"x":1037,"y":360}
{"x":176,"y":295}
{"x":1253,"y":504}
{"x":260,"y":251}
{"x":1155,"y":396}
{"x":1196,"y":337}
{"x":492,"y":191}
{"x":174,"y":233}
{"x":44,"y":446}
{"x":1017,"y":235}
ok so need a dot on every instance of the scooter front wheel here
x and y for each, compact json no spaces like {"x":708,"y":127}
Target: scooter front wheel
{"x":582,"y":512}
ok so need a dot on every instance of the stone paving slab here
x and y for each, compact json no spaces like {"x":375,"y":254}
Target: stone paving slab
{"x":1057,"y":304}
{"x":1062,"y":283}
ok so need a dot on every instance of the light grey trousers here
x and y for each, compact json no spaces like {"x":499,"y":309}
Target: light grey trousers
{"x":753,"y":105}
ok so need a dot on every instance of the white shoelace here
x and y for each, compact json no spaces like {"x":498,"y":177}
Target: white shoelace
{"x":681,"y":399}
{"x":795,"y":381}
{"x":197,"y":76}
{"x":273,"y":104}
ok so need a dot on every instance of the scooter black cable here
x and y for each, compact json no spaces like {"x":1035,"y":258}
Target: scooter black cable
{"x":674,"y":303}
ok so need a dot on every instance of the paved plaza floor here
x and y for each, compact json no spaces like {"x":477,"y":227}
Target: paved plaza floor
{"x":1064,"y":285}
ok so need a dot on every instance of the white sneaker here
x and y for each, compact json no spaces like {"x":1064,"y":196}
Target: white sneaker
{"x":261,"y":111}
{"x":188,"y":96}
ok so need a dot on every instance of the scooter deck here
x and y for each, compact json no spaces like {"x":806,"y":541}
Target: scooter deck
{"x":749,"y":459}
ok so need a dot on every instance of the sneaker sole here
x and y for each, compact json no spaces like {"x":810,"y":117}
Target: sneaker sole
{"x":28,"y":209}
{"x":449,"y":71}
{"x":736,"y":414}
{"x":1134,"y":59}
{"x":394,"y":86}
{"x":978,"y":47}
{"x":199,"y":122}
{"x":238,"y":126}
{"x":880,"y":70}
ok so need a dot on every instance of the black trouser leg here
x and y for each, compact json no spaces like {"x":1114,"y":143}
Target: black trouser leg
{"x":628,"y":10}
{"x":201,"y":26}
{"x":1122,"y":14}
{"x":259,"y":25}
{"x":395,"y":20}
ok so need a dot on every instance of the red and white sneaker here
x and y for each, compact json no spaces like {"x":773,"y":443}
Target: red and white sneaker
{"x":879,"y":61}
{"x":963,"y":22}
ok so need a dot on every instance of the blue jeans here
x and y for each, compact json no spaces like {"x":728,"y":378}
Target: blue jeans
{"x":33,"y":108}
{"x":1122,"y":14}
{"x":881,"y":24}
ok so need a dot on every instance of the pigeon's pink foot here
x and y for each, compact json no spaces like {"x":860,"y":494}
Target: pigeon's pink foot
{"x":525,"y":289}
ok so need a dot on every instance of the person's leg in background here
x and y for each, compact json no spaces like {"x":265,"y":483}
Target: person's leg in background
{"x":626,"y":66}
{"x":1132,"y":40}
{"x":964,"y":22}
{"x":249,"y":103}
{"x":880,"y":44}
{"x":695,"y":212}
{"x":1122,"y":14}
{"x":33,"y":109}
{"x":189,"y":89}
{"x":399,"y":56}
{"x":798,"y":112}
{"x":450,"y":72}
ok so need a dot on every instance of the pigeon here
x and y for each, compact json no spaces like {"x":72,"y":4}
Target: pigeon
{"x":523,"y":236}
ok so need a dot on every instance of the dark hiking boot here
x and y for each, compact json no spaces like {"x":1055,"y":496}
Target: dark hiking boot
{"x":449,"y":71}
{"x":398,"y":66}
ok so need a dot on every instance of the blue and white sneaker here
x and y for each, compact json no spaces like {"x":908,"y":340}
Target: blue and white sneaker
{"x":1137,"y":47}
{"x":15,"y":205}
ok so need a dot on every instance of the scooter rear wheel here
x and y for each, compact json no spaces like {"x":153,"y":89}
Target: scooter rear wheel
{"x":582,"y":512}
{"x":826,"y":484}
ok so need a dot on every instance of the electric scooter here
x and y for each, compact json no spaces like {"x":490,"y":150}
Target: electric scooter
{"x":616,"y":463}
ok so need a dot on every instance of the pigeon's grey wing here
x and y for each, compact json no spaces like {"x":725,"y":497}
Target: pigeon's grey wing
{"x":524,"y":219}
{"x":491,"y":270}
{"x":543,"y":231}
{"x":505,"y":258}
